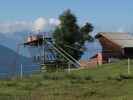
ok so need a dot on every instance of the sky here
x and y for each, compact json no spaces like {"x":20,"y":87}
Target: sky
{"x":105,"y":15}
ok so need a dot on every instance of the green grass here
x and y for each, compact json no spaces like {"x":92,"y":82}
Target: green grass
{"x":107,"y":82}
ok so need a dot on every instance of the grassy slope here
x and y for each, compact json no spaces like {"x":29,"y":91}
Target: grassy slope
{"x":108,"y":82}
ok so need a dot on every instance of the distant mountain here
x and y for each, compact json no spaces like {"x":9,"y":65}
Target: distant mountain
{"x":8,"y":58}
{"x":11,"y":40}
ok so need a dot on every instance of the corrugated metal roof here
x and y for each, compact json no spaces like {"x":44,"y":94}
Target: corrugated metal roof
{"x":122,"y":39}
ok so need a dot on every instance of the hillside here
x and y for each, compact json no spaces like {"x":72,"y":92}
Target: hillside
{"x":108,"y":82}
{"x":10,"y":40}
{"x":8,"y":57}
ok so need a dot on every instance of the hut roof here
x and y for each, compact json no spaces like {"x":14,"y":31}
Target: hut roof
{"x":125,"y":40}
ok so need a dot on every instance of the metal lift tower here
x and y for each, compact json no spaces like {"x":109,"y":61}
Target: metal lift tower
{"x":44,"y":52}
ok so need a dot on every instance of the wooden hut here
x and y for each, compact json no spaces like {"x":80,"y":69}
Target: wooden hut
{"x":116,"y":45}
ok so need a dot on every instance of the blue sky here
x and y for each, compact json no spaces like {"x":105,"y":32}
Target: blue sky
{"x":105,"y":15}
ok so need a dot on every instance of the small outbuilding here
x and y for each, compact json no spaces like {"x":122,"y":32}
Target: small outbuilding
{"x":115,"y":45}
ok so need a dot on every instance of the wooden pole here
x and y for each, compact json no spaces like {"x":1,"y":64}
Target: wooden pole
{"x":21,"y":71}
{"x":128,"y":66}
{"x":69,"y":67}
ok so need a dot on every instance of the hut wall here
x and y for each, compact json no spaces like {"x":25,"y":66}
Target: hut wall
{"x":110,"y":49}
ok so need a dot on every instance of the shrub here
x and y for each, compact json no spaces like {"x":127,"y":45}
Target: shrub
{"x":126,"y":76}
{"x":54,"y":76}
{"x":88,"y":77}
{"x":10,"y":83}
{"x":73,"y":76}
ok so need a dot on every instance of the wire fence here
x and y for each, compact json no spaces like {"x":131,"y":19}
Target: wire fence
{"x":52,"y":95}
{"x":29,"y":70}
{"x":89,"y":61}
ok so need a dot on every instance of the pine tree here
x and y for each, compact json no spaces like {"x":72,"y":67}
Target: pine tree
{"x":70,"y":36}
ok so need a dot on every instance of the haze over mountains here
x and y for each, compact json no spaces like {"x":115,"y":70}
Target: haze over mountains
{"x":9,"y":55}
{"x":13,"y":34}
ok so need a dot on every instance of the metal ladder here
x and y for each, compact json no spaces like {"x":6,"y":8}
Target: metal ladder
{"x":66,"y":55}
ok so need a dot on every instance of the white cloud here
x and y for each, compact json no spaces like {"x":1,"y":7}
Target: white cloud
{"x":40,"y":24}
{"x":54,"y":21}
{"x":16,"y":26}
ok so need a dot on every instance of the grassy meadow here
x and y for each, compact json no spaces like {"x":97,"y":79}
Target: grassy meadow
{"x":107,"y":82}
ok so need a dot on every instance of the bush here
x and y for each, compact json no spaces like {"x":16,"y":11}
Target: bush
{"x":9,"y":83}
{"x":88,"y":77}
{"x":126,"y":76}
{"x":54,"y":76}
{"x":73,"y":76}
{"x":120,"y":77}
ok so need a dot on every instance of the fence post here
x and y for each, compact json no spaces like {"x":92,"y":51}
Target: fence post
{"x":69,"y":67}
{"x":128,"y":66}
{"x":21,"y":71}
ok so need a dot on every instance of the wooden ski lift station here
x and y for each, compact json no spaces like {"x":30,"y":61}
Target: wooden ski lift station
{"x":44,"y":52}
